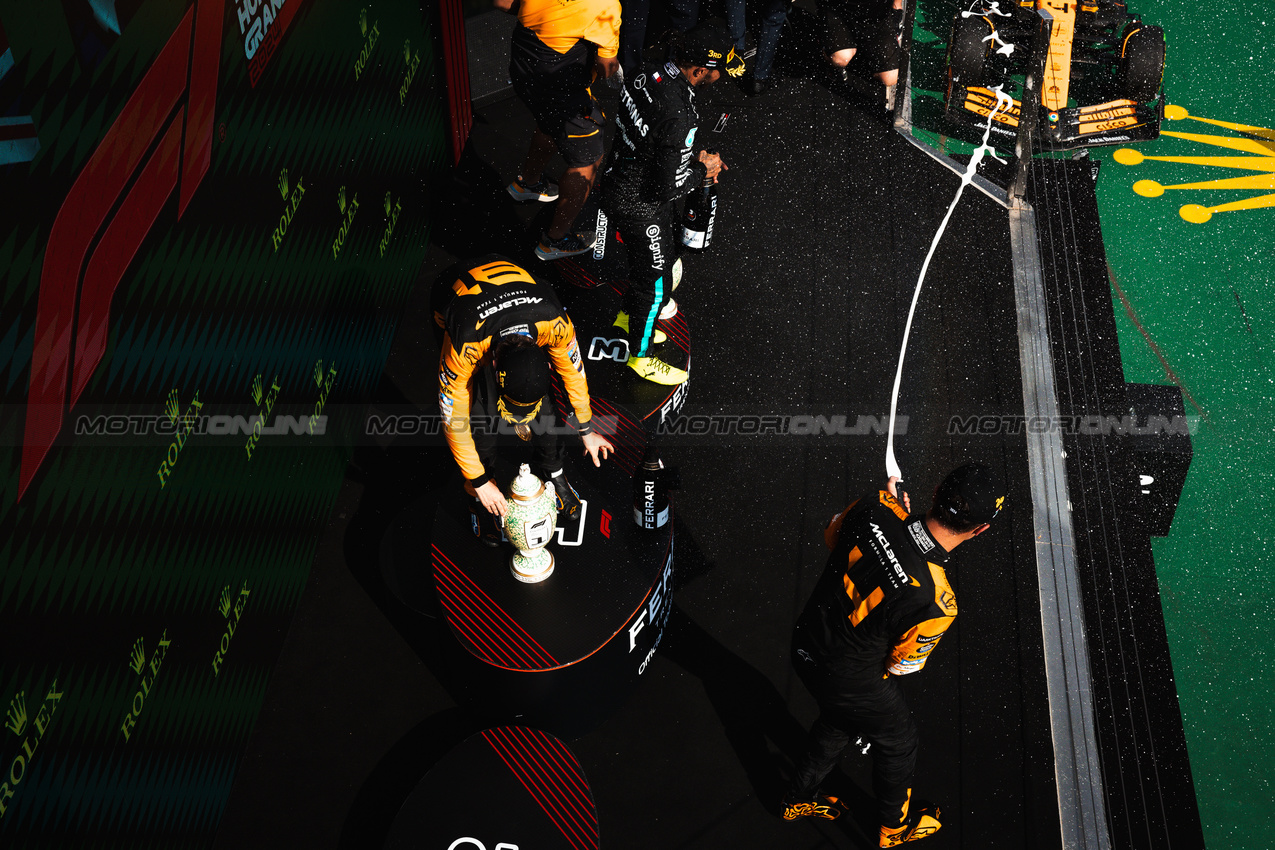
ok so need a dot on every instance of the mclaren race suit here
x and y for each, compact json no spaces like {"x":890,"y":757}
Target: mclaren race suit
{"x":652,"y":165}
{"x":877,"y":611}
{"x":489,"y":299}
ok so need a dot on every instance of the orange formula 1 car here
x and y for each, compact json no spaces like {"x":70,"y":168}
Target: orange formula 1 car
{"x":1103,"y":79}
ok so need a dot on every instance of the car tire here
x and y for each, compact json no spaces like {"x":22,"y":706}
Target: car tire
{"x":1142,"y":62}
{"x":968,"y":50}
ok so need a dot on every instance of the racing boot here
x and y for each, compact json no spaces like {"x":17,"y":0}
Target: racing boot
{"x":622,"y":322}
{"x":921,"y":822}
{"x":828,"y":808}
{"x":486,"y":525}
{"x":655,"y":369}
{"x":565,"y":496}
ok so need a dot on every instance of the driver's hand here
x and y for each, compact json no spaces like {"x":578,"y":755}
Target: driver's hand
{"x":492,"y":499}
{"x":893,"y":486}
{"x":597,"y":447}
{"x":714,"y":164}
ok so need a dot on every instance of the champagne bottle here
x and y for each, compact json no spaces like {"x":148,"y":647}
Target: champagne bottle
{"x":697,"y":219}
{"x":650,"y":491}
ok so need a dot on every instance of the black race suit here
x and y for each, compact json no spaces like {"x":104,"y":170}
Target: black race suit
{"x":878,"y":610}
{"x":477,"y":303}
{"x":652,"y":165}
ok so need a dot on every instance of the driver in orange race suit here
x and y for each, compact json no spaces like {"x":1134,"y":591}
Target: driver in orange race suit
{"x":503,"y":331}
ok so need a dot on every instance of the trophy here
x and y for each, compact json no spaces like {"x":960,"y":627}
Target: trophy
{"x":529,"y":525}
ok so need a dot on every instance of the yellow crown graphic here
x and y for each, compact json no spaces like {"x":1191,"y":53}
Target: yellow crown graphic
{"x":172,"y":407}
{"x":16,"y":720}
{"x":256,"y":389}
{"x":223,"y":604}
{"x":138,"y":656}
{"x":318,"y":372}
{"x":1259,"y":141}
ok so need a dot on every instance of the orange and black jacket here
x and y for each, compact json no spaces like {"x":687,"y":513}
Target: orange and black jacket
{"x":883,"y":600}
{"x":489,"y":299}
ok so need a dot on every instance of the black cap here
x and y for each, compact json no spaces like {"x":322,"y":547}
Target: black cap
{"x":523,"y":375}
{"x":969,"y":496}
{"x":710,"y":46}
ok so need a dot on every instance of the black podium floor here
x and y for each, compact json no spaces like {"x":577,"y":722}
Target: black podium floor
{"x":826,"y":215}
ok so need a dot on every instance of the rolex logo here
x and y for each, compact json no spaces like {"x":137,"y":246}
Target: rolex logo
{"x":223,"y":604}
{"x":1257,"y":141}
{"x":340,"y":198}
{"x":407,"y":51}
{"x":318,"y":372}
{"x":16,"y":720}
{"x":283,"y":184}
{"x":363,"y":20}
{"x":172,"y":407}
{"x":138,"y":656}
{"x":256,"y":389}
{"x":389,"y":203}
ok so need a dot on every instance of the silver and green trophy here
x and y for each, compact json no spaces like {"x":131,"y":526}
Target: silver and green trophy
{"x":529,"y":525}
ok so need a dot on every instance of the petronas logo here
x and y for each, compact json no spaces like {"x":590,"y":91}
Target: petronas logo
{"x":138,"y":656}
{"x":16,"y":719}
{"x":1257,"y":142}
{"x":223,"y":605}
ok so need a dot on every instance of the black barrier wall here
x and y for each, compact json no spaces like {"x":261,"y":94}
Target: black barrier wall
{"x":211,"y":215}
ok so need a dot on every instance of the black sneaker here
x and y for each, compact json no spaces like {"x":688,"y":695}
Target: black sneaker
{"x":828,"y":808}
{"x":565,"y":496}
{"x":486,"y":526}
{"x":567,"y":246}
{"x":544,"y":191}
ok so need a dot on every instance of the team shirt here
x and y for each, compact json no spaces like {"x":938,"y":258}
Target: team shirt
{"x":883,"y":600}
{"x":491,"y":299}
{"x":559,"y":24}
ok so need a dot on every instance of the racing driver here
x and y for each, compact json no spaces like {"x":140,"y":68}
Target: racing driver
{"x":876,"y":613}
{"x":652,"y":166}
{"x":502,"y":329}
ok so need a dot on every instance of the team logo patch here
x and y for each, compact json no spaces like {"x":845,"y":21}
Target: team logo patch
{"x":690,"y":137}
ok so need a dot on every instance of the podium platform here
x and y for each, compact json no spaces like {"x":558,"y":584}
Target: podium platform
{"x":571,"y":647}
{"x":506,"y":787}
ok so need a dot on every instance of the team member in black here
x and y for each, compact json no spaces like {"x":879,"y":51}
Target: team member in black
{"x":652,"y":165}
{"x":501,"y":331}
{"x":877,"y":612}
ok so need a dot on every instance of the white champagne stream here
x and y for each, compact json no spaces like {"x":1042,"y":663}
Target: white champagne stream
{"x":1003,"y":100}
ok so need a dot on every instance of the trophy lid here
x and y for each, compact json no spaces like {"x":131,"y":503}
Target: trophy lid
{"x":526,"y":486}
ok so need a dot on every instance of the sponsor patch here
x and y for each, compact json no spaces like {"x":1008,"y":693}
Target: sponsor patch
{"x":921,"y":537}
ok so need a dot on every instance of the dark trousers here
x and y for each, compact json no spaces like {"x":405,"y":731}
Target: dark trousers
{"x":548,"y":452}
{"x":651,"y":246}
{"x":879,"y":714}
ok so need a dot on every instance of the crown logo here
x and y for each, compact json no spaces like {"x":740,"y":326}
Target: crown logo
{"x":138,"y":656}
{"x":318,"y":372}
{"x":256,"y":389}
{"x":283,"y":184}
{"x":172,"y":407}
{"x":1259,"y":141}
{"x":407,"y":50}
{"x":16,"y":719}
{"x":363,"y":20}
{"x":340,"y":198}
{"x":223,"y":604}
{"x":389,"y":203}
